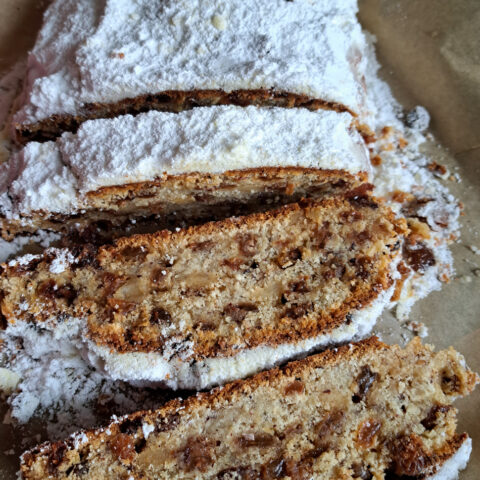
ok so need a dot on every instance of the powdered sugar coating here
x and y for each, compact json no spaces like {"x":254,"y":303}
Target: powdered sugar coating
{"x":43,"y":182}
{"x":92,"y":51}
{"x":131,"y":149}
{"x":54,"y":176}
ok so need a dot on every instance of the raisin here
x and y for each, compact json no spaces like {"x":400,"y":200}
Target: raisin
{"x":321,"y":236}
{"x":299,"y":287}
{"x":111,"y":283}
{"x":137,"y":254}
{"x":67,"y":292}
{"x":49,"y":289}
{"x":158,"y":276}
{"x":233,"y":263}
{"x":203,"y":197}
{"x":408,"y":455}
{"x":86,"y":257}
{"x":56,"y":456}
{"x":197,"y":455}
{"x":359,"y":196}
{"x":297,"y":311}
{"x":123,"y":447}
{"x":130,"y":425}
{"x":238,"y":312}
{"x":198,"y":246}
{"x":257,"y":440}
{"x":367,"y":431}
{"x":419,"y":256}
{"x":359,"y":471}
{"x":295,"y":387}
{"x":331,"y":424}
{"x":247,"y":244}
{"x":296,"y":470}
{"x":450,"y":383}
{"x":289,"y":258}
{"x":168,"y":423}
{"x":276,"y":468}
{"x":364,"y":381}
{"x":430,"y":421}
{"x":140,"y":444}
{"x":159,"y":315}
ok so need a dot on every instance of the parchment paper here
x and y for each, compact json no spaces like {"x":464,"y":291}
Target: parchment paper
{"x":430,"y":52}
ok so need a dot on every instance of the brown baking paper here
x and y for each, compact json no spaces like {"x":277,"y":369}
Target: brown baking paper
{"x":430,"y":52}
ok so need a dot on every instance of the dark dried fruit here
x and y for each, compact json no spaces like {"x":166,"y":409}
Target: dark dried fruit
{"x":159,"y":315}
{"x":450,"y":383}
{"x":359,"y":471}
{"x":238,"y":312}
{"x":295,"y":387}
{"x":297,"y":311}
{"x":111,"y":283}
{"x":257,"y":440}
{"x":418,"y":256}
{"x":359,"y":196}
{"x":247,"y":244}
{"x":408,"y":456}
{"x":158,"y":276}
{"x":430,"y":421}
{"x":287,"y":259}
{"x":233,"y":263}
{"x":122,"y":446}
{"x":197,"y":455}
{"x":331,"y":424}
{"x":322,"y":235}
{"x":274,"y":469}
{"x":364,"y":381}
{"x":130,"y":425}
{"x":137,"y":254}
{"x":299,"y":287}
{"x":367,"y":431}
{"x":56,"y":456}
{"x":199,"y":246}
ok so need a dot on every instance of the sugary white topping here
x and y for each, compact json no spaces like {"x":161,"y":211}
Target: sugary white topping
{"x":457,"y":462}
{"x":54,"y":176}
{"x":131,"y":149}
{"x":90,"y":51}
{"x":43,"y":182}
{"x":63,"y":259}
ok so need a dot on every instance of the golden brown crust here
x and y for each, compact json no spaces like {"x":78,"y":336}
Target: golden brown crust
{"x":170,"y":101}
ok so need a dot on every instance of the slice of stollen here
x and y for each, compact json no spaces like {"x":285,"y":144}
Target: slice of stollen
{"x":365,"y":410}
{"x":215,"y":302}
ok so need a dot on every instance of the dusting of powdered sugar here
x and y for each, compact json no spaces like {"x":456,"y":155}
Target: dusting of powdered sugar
{"x":62,"y":261}
{"x":54,"y":176}
{"x":93,"y":51}
{"x":403,"y":167}
{"x":56,"y":383}
{"x":127,"y":149}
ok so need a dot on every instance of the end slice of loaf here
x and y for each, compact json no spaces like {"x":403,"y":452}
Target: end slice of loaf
{"x":215,"y":302}
{"x":365,"y":410}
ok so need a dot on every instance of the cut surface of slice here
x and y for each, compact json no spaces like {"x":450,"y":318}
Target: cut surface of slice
{"x":200,"y":164}
{"x":157,"y":307}
{"x":365,"y":410}
{"x":176,"y":55}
